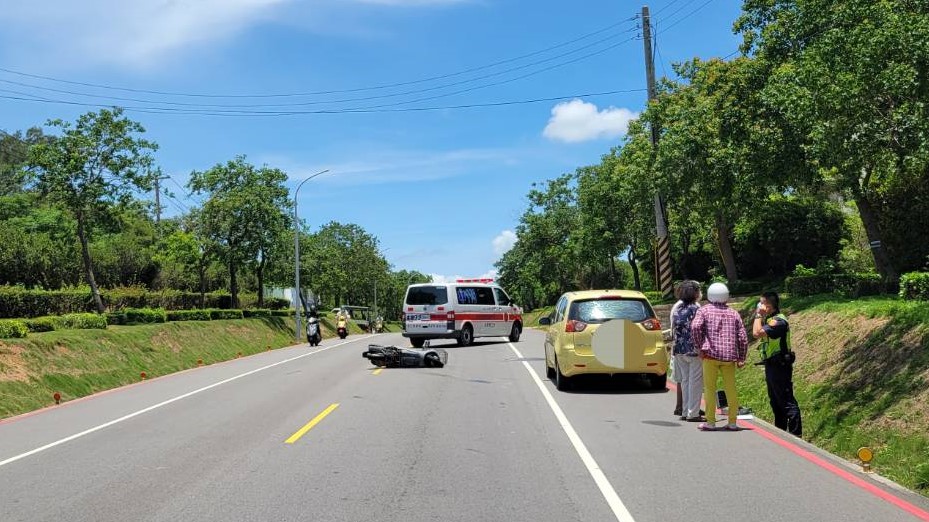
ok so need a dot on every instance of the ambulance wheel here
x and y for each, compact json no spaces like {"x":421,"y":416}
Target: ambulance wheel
{"x":515,"y":332}
{"x":417,"y":343}
{"x":562,"y":382}
{"x":466,"y":337}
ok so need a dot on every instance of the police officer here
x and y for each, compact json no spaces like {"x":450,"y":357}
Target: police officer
{"x":772,"y":328}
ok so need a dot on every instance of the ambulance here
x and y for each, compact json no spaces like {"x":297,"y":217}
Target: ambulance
{"x":464,"y":310}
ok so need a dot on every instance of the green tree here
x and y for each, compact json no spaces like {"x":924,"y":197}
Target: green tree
{"x":853,"y":78}
{"x":14,"y":153}
{"x":245,"y":213}
{"x":94,"y":166}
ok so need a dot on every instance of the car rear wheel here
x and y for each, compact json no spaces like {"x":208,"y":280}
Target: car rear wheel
{"x":658,"y":382}
{"x":549,"y":371}
{"x":417,"y":343}
{"x":562,"y":382}
{"x":515,"y":332}
{"x":466,"y":337}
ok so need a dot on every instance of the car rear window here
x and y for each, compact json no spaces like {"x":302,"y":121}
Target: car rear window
{"x":427,"y":295}
{"x":602,"y":310}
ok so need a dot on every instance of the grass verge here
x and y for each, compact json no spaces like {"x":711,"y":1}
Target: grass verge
{"x":77,"y":363}
{"x":861,"y":378}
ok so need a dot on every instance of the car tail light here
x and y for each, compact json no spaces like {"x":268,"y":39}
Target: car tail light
{"x":450,"y":316}
{"x":574,"y":326}
{"x":651,"y":324}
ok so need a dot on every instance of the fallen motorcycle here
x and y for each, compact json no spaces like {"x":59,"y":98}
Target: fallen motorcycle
{"x":393,"y":357}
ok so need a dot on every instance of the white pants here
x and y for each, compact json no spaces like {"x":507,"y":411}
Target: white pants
{"x":689,"y":369}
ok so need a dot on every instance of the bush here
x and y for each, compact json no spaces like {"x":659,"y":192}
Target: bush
{"x":83,"y":322}
{"x":21,"y":302}
{"x":189,"y":315}
{"x":256,"y":312}
{"x":915,"y":286}
{"x":12,"y":328}
{"x":276,"y":303}
{"x":225,"y":314}
{"x":653,"y":297}
{"x":284,"y":313}
{"x":116,"y":317}
{"x":42,"y":324}
{"x":848,"y":285}
{"x":145,"y":315}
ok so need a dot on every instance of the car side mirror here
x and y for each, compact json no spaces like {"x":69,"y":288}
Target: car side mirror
{"x":545,"y":321}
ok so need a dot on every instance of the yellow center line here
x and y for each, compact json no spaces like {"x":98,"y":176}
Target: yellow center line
{"x":302,"y":431}
{"x":377,"y":371}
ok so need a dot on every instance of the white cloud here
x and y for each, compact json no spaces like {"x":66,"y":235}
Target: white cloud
{"x":125,"y":32}
{"x":504,"y":241}
{"x":577,"y":120}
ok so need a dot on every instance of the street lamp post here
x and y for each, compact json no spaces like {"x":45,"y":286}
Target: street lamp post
{"x":299,"y":331}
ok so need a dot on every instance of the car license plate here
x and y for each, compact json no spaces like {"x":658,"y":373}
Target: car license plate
{"x":418,"y":317}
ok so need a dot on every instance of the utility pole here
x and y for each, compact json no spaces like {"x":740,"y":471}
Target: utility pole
{"x":663,"y":257}
{"x":157,"y":202}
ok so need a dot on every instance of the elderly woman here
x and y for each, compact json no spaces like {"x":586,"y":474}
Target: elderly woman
{"x":687,"y":363}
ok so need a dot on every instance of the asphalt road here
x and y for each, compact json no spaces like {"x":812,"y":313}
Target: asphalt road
{"x":479,"y":440}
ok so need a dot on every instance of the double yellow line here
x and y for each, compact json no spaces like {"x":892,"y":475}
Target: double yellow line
{"x":316,"y":420}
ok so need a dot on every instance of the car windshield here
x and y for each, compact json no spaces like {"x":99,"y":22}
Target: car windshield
{"x":601,"y":310}
{"x":427,"y":295}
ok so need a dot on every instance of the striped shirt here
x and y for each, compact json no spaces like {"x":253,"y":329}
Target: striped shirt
{"x":719,"y":333}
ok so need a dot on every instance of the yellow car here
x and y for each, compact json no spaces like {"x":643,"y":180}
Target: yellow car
{"x":604,"y":332}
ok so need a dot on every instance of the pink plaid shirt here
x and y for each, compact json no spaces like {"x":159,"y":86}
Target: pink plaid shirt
{"x":718,"y":332}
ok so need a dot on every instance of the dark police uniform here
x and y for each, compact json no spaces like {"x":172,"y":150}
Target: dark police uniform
{"x":778,"y":371}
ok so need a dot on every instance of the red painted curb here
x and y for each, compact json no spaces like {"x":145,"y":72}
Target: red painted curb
{"x":835,"y":470}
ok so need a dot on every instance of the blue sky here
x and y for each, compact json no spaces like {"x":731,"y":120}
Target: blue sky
{"x":441,"y":189}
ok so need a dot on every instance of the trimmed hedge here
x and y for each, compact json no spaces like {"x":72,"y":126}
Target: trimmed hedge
{"x":20,"y":302}
{"x":849,"y":285}
{"x":276,"y":303}
{"x":189,"y":315}
{"x":83,"y":322}
{"x":282,"y":313}
{"x":256,"y":312}
{"x":145,"y":315}
{"x":216,"y":315}
{"x":915,"y":286}
{"x":12,"y":328}
{"x":42,"y":324}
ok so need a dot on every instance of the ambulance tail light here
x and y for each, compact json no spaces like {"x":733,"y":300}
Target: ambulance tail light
{"x":574,"y":326}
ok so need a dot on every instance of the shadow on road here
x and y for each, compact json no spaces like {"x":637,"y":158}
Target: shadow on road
{"x":615,"y":384}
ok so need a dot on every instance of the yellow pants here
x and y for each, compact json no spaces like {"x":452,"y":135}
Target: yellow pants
{"x":711,"y":370}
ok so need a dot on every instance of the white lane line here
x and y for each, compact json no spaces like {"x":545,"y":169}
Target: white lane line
{"x":609,"y":493}
{"x":169,"y":401}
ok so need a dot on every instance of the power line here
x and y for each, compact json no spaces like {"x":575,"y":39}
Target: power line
{"x":678,"y":10}
{"x":669,"y":4}
{"x":688,"y":15}
{"x":151,"y":110}
{"x":316,"y":93}
{"x":345,"y":100}
{"x":370,"y":108}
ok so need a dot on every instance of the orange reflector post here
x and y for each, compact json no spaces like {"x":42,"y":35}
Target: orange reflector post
{"x":57,"y":397}
{"x":199,"y":362}
{"x":143,"y":375}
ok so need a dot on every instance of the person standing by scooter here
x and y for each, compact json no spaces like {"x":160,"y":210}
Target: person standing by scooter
{"x":771,"y":327}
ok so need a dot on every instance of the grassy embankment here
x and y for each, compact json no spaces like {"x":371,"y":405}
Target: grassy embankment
{"x":861,"y":378}
{"x":76,"y":363}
